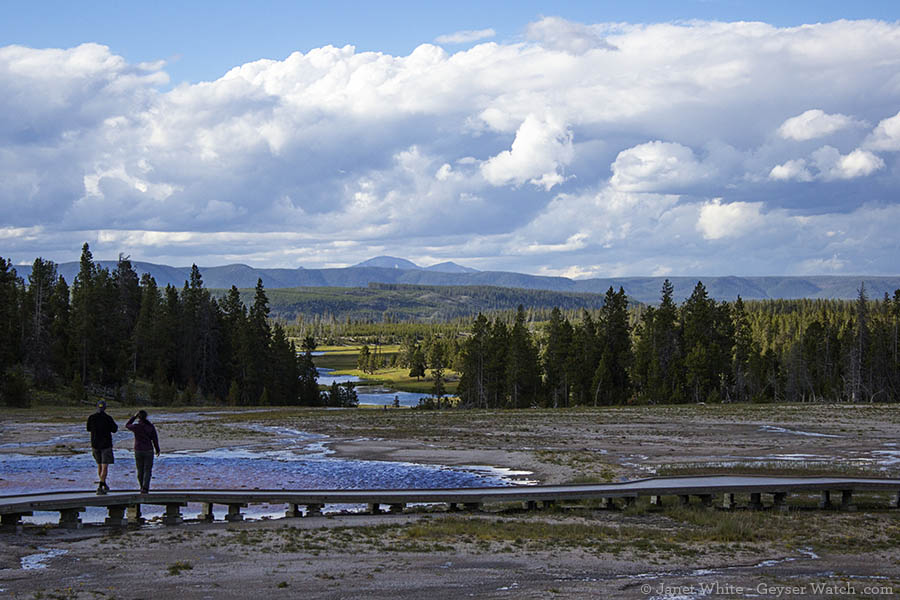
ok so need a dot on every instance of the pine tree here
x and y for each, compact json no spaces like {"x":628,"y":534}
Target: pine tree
{"x":417,"y":366}
{"x":39,"y":319}
{"x":557,"y":358}
{"x":12,"y":391}
{"x":257,"y":345}
{"x":473,"y":380}
{"x":612,"y":383}
{"x":522,"y":365}
{"x":308,"y":374}
{"x":84,"y":316}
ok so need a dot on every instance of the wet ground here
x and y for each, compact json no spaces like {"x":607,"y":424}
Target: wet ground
{"x":284,"y":458}
{"x":573,"y":552}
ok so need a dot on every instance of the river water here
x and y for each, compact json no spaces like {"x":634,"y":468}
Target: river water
{"x":370,"y":394}
{"x":290,"y":459}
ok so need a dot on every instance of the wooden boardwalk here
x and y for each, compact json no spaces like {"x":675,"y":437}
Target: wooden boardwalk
{"x":124,"y":507}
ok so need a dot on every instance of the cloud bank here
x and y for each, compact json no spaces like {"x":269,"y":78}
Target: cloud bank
{"x":584,"y":150}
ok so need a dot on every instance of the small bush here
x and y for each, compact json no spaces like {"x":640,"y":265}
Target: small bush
{"x":178,"y":566}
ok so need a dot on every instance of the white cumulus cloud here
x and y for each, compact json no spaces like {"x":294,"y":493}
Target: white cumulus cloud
{"x":886,"y":136}
{"x":834,"y":165}
{"x":792,"y":170}
{"x":541,"y":149}
{"x":718,"y":220}
{"x":477,"y":154}
{"x":657,"y":166}
{"x":814,"y":123}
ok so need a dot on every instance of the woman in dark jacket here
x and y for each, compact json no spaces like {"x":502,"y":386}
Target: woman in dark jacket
{"x":145,"y":442}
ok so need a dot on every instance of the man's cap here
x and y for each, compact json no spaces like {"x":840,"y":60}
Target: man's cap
{"x":101,"y":404}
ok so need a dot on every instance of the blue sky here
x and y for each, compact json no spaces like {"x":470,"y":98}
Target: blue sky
{"x":573,"y":138}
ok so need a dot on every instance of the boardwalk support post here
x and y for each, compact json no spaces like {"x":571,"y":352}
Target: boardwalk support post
{"x":656,"y":500}
{"x":728,"y":501}
{"x":374,"y":508}
{"x":847,"y":500}
{"x":779,"y":500}
{"x":234,"y":512}
{"x":293,"y":511}
{"x":756,"y":501}
{"x":895,"y":500}
{"x":115,"y":516}
{"x":546,"y":504}
{"x":684,"y":499}
{"x":314,"y":510}
{"x":706,"y":499}
{"x":206,"y":512}
{"x":630,"y":501}
{"x":134,"y":516}
{"x":530,"y":505}
{"x":12,"y":522}
{"x":69,"y":518}
{"x":172,"y":516}
{"x":397,"y":508}
{"x":825,"y":499}
{"x":608,"y":503}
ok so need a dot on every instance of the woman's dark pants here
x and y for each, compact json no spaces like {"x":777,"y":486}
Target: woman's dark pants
{"x":143,"y":461}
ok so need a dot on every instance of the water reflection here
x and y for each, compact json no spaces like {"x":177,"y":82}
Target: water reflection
{"x":325,"y":378}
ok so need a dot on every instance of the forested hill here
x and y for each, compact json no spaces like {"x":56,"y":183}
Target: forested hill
{"x":399,"y":302}
{"x":642,"y":289}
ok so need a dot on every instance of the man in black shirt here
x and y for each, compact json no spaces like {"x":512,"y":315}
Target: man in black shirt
{"x":102,"y":426}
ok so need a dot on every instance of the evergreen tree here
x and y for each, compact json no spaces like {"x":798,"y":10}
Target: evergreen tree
{"x":743,"y":354}
{"x":436,"y":362}
{"x":12,"y":384}
{"x":59,"y":329}
{"x":84,"y":316}
{"x":667,"y":369}
{"x":147,"y":343}
{"x":708,"y":339}
{"x":234,"y":341}
{"x":364,"y":359}
{"x":417,"y":366}
{"x":257,"y":346}
{"x":473,"y":380}
{"x":497,"y":365}
{"x":309,"y":385}
{"x":127,"y":307}
{"x":858,"y":372}
{"x":612,"y":383}
{"x":39,"y":319}
{"x":584,"y":358}
{"x":522,"y":366}
{"x":557,"y":358}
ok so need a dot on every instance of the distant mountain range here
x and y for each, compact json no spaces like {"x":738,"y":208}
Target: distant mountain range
{"x":386,"y":269}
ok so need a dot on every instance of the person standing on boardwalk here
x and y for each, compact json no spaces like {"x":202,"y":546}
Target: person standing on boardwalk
{"x":102,"y":426}
{"x":145,"y":442}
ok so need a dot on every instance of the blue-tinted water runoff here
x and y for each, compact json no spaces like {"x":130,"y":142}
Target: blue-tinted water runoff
{"x":291,"y":459}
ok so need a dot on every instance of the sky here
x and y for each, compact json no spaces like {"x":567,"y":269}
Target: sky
{"x":577,"y":139}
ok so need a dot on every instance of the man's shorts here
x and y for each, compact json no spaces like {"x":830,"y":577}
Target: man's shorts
{"x":104,"y":457}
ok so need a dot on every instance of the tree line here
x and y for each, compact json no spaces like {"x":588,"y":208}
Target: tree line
{"x":110,"y":329}
{"x":701,"y":351}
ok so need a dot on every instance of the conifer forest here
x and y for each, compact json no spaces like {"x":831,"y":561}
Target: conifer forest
{"x":110,"y":329}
